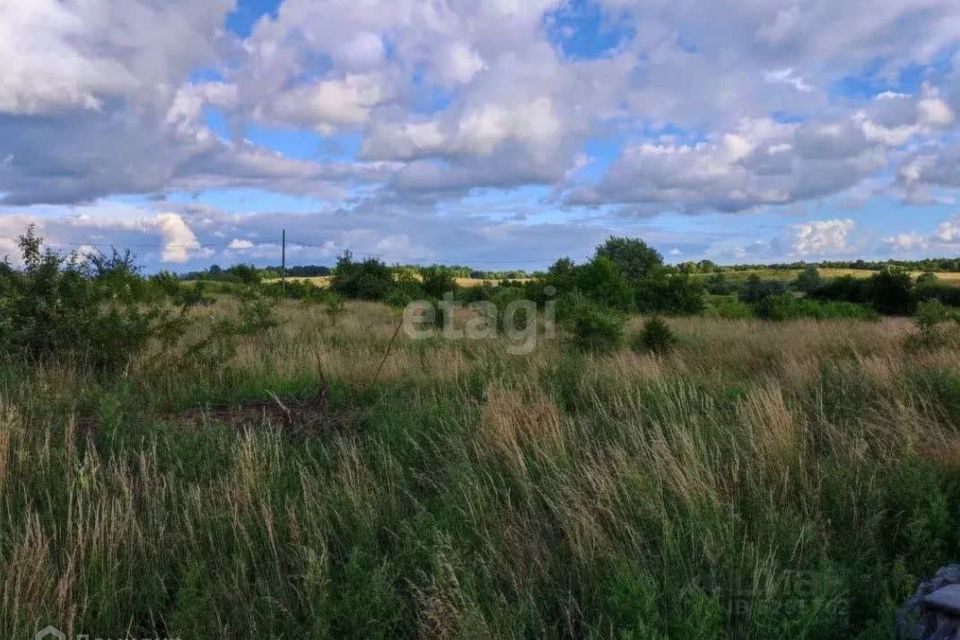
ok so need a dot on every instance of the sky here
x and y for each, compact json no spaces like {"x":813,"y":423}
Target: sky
{"x":491,"y":133}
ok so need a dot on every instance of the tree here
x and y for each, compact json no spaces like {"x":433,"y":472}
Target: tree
{"x":891,"y":292}
{"x":756,"y":290}
{"x":808,"y":280}
{"x":437,"y":281}
{"x":368,"y":280}
{"x":635,"y":259}
{"x":245,"y":273}
{"x":602,"y":281}
{"x":674,"y":293}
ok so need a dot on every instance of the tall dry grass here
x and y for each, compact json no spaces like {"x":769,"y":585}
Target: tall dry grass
{"x":762,"y":480}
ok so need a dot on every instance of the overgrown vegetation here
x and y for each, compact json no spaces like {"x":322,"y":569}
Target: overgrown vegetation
{"x":285,"y":464}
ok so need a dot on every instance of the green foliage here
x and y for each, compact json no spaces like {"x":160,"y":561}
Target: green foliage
{"x":671,"y":293}
{"x":719,"y":285}
{"x":59,"y":307}
{"x":602,"y":281}
{"x":503,"y":298}
{"x":245,"y":274}
{"x":808,"y":280}
{"x":931,"y":289}
{"x":437,"y":281}
{"x":730,"y":310}
{"x":844,"y":288}
{"x":632,"y":256}
{"x":255,"y":314}
{"x":655,"y":337}
{"x":756,"y":289}
{"x":788,"y":307}
{"x":367,"y":280}
{"x":891,"y":292}
{"x":931,"y":314}
{"x":597,"y":329}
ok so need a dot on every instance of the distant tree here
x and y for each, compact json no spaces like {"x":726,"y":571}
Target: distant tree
{"x":675,"y":293}
{"x":368,"y":280}
{"x":245,"y":273}
{"x":718,"y":284}
{"x":928,"y":279}
{"x":808,"y":279}
{"x":635,"y":259}
{"x":437,"y":281}
{"x":756,"y":289}
{"x":890,"y":291}
{"x":602,"y":281}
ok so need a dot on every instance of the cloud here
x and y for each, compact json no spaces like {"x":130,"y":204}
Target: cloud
{"x":698,"y":107}
{"x":63,"y":54}
{"x":910,"y":241}
{"x":820,"y":238}
{"x":762,"y":163}
{"x":945,"y":238}
{"x":179,"y":240}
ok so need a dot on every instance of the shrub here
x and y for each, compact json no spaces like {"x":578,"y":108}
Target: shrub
{"x":255,"y":315}
{"x":787,"y":307}
{"x":947,"y":294}
{"x":602,"y":281}
{"x":930,"y":315}
{"x":845,"y":288}
{"x":891,"y":292}
{"x":502,"y":299}
{"x":756,"y":290}
{"x":437,"y":281}
{"x":632,"y":257}
{"x":597,"y":329}
{"x":245,"y":274}
{"x":58,"y":307}
{"x":719,"y":285}
{"x":731,"y":310}
{"x":367,"y":280}
{"x":655,"y":337}
{"x":675,"y":294}
{"x":808,"y":280}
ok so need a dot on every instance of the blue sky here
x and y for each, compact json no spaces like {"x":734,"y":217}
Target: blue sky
{"x":502,"y":133}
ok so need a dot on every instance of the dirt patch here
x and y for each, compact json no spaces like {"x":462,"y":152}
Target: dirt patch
{"x":295,"y":417}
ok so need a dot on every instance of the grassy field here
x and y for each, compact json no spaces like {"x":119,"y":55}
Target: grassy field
{"x":787,"y":275}
{"x":791,"y":274}
{"x":324,"y":281}
{"x":764,"y":480}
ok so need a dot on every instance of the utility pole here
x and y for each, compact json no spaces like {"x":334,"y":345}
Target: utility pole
{"x":283,"y":264}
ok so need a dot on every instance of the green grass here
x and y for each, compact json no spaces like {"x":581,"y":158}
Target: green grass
{"x":762,"y":480}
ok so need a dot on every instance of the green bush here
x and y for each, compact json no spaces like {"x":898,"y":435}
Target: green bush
{"x":808,"y":280}
{"x":59,"y":307}
{"x":632,"y":257}
{"x":602,"y":281}
{"x":598,"y":329}
{"x":675,"y":294}
{"x":756,"y":290}
{"x":437,"y":281}
{"x":367,"y":280}
{"x":731,"y":310}
{"x":891,"y":292}
{"x":788,"y":307}
{"x":719,"y":285}
{"x":931,"y":314}
{"x":655,"y":337}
